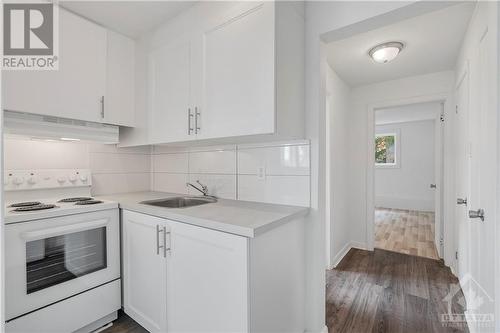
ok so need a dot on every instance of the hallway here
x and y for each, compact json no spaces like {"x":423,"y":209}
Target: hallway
{"x":383,"y":291}
{"x":405,"y":231}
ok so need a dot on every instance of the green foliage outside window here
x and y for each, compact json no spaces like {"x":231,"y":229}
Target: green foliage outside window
{"x":385,"y":149}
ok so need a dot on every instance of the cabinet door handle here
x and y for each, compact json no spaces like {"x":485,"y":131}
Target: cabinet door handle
{"x":197,"y":114}
{"x":158,"y":246}
{"x":165,"y":248}
{"x":102,"y":107}
{"x":190,"y":115}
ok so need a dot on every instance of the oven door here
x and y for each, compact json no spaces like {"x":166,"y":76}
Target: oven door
{"x":51,"y":259}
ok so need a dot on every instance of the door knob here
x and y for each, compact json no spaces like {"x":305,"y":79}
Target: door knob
{"x":477,"y":214}
{"x":433,"y":186}
{"x":461,"y":201}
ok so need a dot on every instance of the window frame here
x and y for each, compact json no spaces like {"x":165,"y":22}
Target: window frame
{"x":397,"y":149}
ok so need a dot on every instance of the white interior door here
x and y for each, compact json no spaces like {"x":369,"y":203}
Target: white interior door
{"x":462,"y":173}
{"x":483,"y":138}
{"x":477,"y":133}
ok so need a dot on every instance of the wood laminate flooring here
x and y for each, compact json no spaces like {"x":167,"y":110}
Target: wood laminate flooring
{"x":125,"y":324}
{"x":384,"y":291}
{"x":405,"y":231}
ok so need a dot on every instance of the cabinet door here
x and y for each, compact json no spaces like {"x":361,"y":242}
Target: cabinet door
{"x":169,"y":74}
{"x":120,"y":67}
{"x":144,"y":270}
{"x":207,"y":280}
{"x":75,"y":90}
{"x":239,"y":74}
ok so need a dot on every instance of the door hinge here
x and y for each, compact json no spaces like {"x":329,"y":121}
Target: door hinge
{"x":456,"y":108}
{"x":441,"y":118}
{"x":456,"y":255}
{"x":441,"y":241}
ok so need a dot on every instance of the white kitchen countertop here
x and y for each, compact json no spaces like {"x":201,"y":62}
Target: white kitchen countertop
{"x":242,"y":218}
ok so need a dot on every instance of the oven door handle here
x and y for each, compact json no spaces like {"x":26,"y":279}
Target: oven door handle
{"x":62,"y":230}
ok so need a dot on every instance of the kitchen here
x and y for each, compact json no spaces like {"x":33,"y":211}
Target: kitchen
{"x":152,"y":172}
{"x":169,"y":167}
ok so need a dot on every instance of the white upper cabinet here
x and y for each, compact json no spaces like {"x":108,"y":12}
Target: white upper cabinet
{"x":76,"y":89}
{"x":169,"y":70}
{"x":94,"y":82}
{"x":238,"y":72}
{"x":119,"y":107}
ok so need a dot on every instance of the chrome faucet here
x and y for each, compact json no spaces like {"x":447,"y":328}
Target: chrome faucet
{"x":203,"y":189}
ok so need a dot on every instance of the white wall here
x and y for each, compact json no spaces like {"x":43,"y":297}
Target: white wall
{"x":404,"y":113}
{"x":407,"y":185}
{"x":364,"y":98}
{"x":338,"y":94}
{"x":232,"y":171}
{"x":114,"y":170}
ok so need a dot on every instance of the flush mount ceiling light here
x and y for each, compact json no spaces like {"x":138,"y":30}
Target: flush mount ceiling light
{"x":386,"y":52}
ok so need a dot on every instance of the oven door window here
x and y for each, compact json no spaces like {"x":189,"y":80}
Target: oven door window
{"x":54,"y":260}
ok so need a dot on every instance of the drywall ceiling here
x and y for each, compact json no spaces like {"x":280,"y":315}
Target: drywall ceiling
{"x":432,"y":44}
{"x":406,"y":113}
{"x":131,"y":18}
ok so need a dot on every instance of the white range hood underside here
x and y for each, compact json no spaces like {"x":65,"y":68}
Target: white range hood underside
{"x":54,"y":128}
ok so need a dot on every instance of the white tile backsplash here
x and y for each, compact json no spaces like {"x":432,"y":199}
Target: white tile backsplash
{"x":119,"y":183}
{"x":101,"y":148}
{"x":119,"y":163}
{"x":170,"y":182}
{"x":218,"y":162}
{"x":24,"y":154}
{"x":171,"y":162}
{"x":286,"y":190}
{"x":230,"y":171}
{"x":113,"y":169}
{"x":282,"y":160}
{"x":222,"y":186}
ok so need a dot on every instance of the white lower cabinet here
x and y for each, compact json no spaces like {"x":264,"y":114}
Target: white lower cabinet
{"x":206,"y":280}
{"x":198,"y":283}
{"x":144,"y":271}
{"x":179,"y":277}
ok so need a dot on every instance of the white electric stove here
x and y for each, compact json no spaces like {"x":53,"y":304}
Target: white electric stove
{"x":62,"y":253}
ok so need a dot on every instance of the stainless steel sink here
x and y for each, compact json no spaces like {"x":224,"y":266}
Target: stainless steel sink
{"x":180,"y":202}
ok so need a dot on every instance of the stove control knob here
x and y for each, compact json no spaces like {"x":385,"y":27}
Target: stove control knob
{"x":72,"y":178}
{"x":83,"y":178}
{"x":18,"y":180}
{"x":61,"y":180}
{"x":32,"y":180}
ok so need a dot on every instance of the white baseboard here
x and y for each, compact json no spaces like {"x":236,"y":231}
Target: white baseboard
{"x":341,"y":254}
{"x":420,"y":204}
{"x":322,"y":330}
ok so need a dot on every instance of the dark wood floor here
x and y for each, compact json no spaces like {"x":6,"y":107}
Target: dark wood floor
{"x":383,"y":291}
{"x":125,"y":324}
{"x":379,"y":291}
